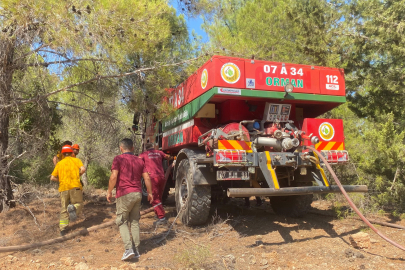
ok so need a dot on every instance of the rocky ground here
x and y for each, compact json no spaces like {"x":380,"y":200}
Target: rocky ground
{"x":236,"y":238}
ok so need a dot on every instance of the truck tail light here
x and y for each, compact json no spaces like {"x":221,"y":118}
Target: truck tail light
{"x":223,"y":156}
{"x":336,"y":156}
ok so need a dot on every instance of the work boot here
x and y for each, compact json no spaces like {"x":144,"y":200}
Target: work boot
{"x":72,"y":212}
{"x":160,"y":222}
{"x":63,"y":233}
{"x":128,"y":254}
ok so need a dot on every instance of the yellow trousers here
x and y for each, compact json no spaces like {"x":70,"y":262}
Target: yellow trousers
{"x":73,"y":196}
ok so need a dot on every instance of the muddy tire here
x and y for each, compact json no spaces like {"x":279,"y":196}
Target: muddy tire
{"x":195,"y":200}
{"x":291,"y":206}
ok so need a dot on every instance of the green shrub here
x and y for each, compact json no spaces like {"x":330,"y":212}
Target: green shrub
{"x":35,"y":171}
{"x":98,"y":175}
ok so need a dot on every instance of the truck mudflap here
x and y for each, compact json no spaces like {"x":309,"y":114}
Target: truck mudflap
{"x":290,"y":191}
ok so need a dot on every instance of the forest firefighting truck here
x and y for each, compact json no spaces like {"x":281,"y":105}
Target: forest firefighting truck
{"x":241,"y":128}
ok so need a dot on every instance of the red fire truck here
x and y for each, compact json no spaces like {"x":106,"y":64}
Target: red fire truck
{"x":240,"y":130}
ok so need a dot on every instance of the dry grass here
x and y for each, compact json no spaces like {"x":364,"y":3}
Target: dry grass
{"x":314,"y":242}
{"x":36,"y":213}
{"x":194,"y":256}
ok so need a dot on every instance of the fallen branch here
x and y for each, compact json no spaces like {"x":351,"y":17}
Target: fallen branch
{"x":66,"y":237}
{"x":383,"y":223}
{"x":371,"y":220}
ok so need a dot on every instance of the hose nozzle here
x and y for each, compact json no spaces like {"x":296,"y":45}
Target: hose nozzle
{"x":314,"y":140}
{"x":290,"y":143}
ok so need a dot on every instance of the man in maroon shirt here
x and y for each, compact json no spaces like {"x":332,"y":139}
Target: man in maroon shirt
{"x":153,"y":164}
{"x":126,"y":173}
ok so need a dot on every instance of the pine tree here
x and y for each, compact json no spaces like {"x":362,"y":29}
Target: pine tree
{"x":52,"y":35}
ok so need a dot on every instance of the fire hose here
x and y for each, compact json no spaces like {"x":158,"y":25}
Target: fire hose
{"x":84,"y":231}
{"x":352,"y":205}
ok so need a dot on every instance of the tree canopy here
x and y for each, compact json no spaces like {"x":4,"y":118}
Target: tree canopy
{"x":101,"y":53}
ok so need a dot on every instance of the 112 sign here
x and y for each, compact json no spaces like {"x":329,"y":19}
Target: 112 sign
{"x":332,"y":79}
{"x":332,"y":82}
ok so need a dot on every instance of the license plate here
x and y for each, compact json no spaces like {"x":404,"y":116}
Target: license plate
{"x":233,"y":175}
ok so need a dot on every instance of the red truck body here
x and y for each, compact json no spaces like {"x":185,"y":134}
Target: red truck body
{"x":316,"y":91}
{"x":241,"y":128}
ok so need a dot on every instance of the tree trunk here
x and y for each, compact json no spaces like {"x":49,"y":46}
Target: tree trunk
{"x":85,"y":179}
{"x":140,"y":143}
{"x":6,"y":74}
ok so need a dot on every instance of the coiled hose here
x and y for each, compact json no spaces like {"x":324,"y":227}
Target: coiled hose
{"x":352,"y":205}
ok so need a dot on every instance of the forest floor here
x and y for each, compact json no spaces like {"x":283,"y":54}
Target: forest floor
{"x":236,"y":238}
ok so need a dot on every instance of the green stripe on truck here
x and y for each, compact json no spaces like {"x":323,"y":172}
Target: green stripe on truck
{"x":189,"y":110}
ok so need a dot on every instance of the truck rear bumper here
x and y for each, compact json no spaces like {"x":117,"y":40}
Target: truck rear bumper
{"x":247,"y":192}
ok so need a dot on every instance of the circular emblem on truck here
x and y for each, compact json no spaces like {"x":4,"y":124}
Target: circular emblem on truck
{"x":204,"y":79}
{"x":230,"y":73}
{"x":326,"y":131}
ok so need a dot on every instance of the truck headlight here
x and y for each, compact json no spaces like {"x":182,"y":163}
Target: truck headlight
{"x":289,"y":88}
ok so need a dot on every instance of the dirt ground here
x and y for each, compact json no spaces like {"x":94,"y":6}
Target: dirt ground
{"x":236,"y":238}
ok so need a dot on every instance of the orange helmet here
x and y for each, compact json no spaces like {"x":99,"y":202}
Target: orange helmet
{"x":67,"y":149}
{"x":76,"y":146}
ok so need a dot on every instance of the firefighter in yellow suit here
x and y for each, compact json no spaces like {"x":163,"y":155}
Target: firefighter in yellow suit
{"x":59,"y":155}
{"x":67,"y":172}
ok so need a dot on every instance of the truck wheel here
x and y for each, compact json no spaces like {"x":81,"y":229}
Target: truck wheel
{"x":193,"y":201}
{"x":291,"y":206}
